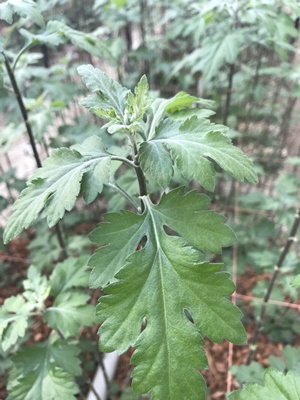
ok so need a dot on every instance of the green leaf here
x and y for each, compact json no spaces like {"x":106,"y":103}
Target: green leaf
{"x":191,"y":112}
{"x":9,"y":134}
{"x":24,"y":8}
{"x":56,"y":185}
{"x":277,"y":386}
{"x":158,"y":283}
{"x":213,"y":55}
{"x":39,"y":373}
{"x":121,"y":233}
{"x":290,"y":359}
{"x":69,"y":312}
{"x":57,"y":33}
{"x":14,"y":316}
{"x":37,"y":287}
{"x":107,"y":259}
{"x":181,"y":101}
{"x":65,"y":355}
{"x":252,"y":373}
{"x":156,"y":161}
{"x":190,"y":144}
{"x":69,"y":273}
{"x":205,"y":230}
{"x":139,"y":103}
{"x":296,"y":281}
{"x":110,"y":99}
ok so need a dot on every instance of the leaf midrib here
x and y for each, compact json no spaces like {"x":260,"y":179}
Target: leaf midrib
{"x":158,"y":255}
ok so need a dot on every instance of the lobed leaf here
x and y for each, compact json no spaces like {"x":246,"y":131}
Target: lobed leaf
{"x":58,"y":32}
{"x":190,"y":144}
{"x":41,"y":373}
{"x":295,"y":282}
{"x":277,"y":386}
{"x":180,"y":102}
{"x":158,"y":283}
{"x":110,"y":98}
{"x":118,"y":237}
{"x":69,"y":311}
{"x":14,"y":315}
{"x":138,"y":104}
{"x":121,"y":233}
{"x":68,"y":274}
{"x":55,"y":187}
{"x":24,"y":8}
{"x":212,"y":56}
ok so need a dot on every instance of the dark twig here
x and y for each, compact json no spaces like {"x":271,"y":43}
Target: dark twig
{"x":31,"y":138}
{"x":22,"y":109}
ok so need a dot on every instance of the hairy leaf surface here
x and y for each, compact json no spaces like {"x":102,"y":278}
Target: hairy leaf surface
{"x":110,"y":99}
{"x":56,"y":185}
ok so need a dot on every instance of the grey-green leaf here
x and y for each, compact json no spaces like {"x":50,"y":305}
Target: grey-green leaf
{"x":56,"y":186}
{"x":110,"y":95}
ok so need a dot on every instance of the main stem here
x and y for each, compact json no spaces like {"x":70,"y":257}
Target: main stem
{"x":139,"y":173}
{"x":31,"y":139}
{"x":260,"y":319}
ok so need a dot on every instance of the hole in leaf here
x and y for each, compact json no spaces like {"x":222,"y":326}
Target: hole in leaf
{"x":142,"y":243}
{"x":170,"y":231}
{"x":144,"y":324}
{"x":188,"y":315}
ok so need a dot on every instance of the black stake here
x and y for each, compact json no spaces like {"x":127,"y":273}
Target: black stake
{"x":31,"y":138}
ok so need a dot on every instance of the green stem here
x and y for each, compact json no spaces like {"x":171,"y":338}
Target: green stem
{"x":124,"y":194}
{"x":125,"y":161}
{"x":22,"y":51}
{"x":139,"y":173}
